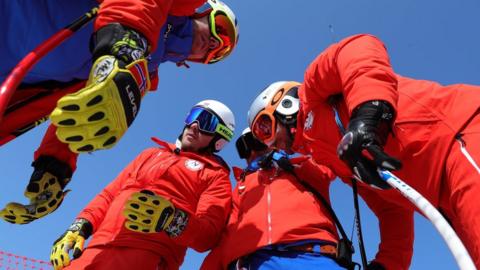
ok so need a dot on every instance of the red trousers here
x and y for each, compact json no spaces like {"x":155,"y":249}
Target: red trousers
{"x":460,"y":193}
{"x":117,"y":258}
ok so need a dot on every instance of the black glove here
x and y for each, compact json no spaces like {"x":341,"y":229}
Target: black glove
{"x":45,"y":191}
{"x":284,"y":163}
{"x":375,"y":266}
{"x":362,"y":146}
{"x":74,"y":238}
{"x":126,"y":44}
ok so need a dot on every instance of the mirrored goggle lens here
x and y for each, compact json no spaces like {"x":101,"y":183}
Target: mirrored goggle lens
{"x":223,"y":29}
{"x":206,"y":120}
{"x":263,"y":128}
{"x":246,"y":143}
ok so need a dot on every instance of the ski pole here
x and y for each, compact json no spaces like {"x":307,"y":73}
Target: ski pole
{"x":454,"y":243}
{"x":15,"y":77}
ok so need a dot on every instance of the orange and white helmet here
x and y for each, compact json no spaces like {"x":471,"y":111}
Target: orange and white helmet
{"x":279,"y":101}
{"x":223,"y":27}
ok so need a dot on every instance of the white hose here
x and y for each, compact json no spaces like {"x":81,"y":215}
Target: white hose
{"x":456,"y":246}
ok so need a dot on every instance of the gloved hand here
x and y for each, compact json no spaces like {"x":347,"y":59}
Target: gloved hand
{"x":45,"y":191}
{"x":74,"y":238}
{"x":375,"y":266}
{"x":283,"y":162}
{"x":362,"y":145}
{"x":97,"y":116}
{"x":149,"y":213}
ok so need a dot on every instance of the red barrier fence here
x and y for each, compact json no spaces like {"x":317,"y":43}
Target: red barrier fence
{"x":9,"y":261}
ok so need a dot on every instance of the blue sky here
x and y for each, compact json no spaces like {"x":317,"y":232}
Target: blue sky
{"x":435,"y":40}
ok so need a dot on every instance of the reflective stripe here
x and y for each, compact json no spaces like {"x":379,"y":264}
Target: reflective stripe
{"x":269,"y":215}
{"x":468,"y":156}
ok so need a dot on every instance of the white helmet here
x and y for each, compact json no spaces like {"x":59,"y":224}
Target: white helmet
{"x":223,"y":27}
{"x":213,"y":117}
{"x":279,"y":101}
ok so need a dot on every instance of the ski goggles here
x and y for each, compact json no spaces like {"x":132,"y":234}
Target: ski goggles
{"x":264,"y":124}
{"x":222,"y":28}
{"x":208,"y":122}
{"x":246,"y":143}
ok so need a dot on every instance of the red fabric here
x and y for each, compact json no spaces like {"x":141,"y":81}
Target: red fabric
{"x":117,"y":258}
{"x":459,"y":193}
{"x":145,"y":16}
{"x":51,"y":146}
{"x":272,"y":207}
{"x":196,"y":184}
{"x":428,"y":115}
{"x":28,"y":106}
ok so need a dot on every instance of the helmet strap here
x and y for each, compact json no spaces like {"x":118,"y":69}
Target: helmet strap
{"x":210,"y":148}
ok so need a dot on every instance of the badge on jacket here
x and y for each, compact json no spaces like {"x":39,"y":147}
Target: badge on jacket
{"x":193,"y":165}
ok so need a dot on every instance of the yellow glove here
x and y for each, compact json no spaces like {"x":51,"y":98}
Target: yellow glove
{"x":45,"y":192}
{"x":74,"y":238}
{"x":149,"y":213}
{"x":97,"y":116}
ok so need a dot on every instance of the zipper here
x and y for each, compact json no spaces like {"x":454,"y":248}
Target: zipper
{"x":464,"y":151}
{"x":269,"y":214}
{"x":156,"y":164}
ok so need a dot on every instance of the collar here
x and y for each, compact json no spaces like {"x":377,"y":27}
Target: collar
{"x":211,"y":159}
{"x":298,"y":145}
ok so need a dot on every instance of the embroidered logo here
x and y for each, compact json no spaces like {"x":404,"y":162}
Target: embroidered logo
{"x":103,"y":68}
{"x":309,"y":121}
{"x":193,"y":165}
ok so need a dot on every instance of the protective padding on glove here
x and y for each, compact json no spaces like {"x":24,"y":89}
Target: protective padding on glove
{"x":148,"y":213}
{"x":73,"y":239}
{"x":45,"y":192}
{"x":70,"y":240}
{"x":97,"y":116}
{"x":41,"y":204}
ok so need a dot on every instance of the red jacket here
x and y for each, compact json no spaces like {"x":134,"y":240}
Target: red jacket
{"x":145,"y":16}
{"x":272,"y":207}
{"x":428,"y":116}
{"x":197,"y":184}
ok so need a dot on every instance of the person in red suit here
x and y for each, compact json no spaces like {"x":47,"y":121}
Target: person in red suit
{"x":168,"y":199}
{"x":265,"y":229}
{"x":276,"y":221}
{"x":356,"y":115}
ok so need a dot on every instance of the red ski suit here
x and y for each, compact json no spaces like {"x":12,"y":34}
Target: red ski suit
{"x":429,"y":118}
{"x":272,"y":207}
{"x":145,"y":16}
{"x":197,"y":184}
